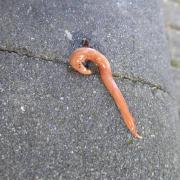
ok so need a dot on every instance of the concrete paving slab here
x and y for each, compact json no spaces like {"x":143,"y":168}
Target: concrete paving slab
{"x":57,"y":124}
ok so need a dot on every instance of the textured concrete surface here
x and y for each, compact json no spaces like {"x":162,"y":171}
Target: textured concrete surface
{"x":57,"y":124}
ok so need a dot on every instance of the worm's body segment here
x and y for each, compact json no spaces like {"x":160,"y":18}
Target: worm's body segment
{"x":79,"y":56}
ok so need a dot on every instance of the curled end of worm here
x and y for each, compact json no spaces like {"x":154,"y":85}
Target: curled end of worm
{"x":86,"y":72}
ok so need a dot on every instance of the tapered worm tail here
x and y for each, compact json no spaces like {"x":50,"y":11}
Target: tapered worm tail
{"x":121,"y":104}
{"x":79,"y":56}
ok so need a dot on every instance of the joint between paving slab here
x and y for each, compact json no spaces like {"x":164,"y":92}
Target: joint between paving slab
{"x":25,"y":52}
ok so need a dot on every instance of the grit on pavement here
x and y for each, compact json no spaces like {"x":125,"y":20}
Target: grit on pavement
{"x":58,"y":124}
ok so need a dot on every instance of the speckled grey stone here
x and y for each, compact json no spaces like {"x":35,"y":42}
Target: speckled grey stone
{"x":57,"y":124}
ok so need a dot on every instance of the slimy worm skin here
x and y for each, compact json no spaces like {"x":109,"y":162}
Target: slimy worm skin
{"x":80,"y":56}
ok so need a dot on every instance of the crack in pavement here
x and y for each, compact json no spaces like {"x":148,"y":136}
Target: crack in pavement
{"x":140,"y":80}
{"x":25,"y":52}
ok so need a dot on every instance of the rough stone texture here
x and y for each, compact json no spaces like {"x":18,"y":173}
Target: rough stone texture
{"x":57,"y":124}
